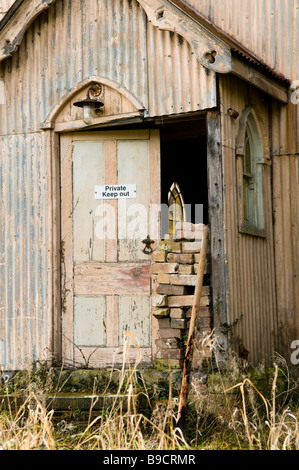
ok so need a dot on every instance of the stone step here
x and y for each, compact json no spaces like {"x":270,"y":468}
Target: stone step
{"x":73,"y":401}
{"x":82,"y":401}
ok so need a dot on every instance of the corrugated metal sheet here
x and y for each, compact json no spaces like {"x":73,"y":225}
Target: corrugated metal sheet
{"x":269,"y":28}
{"x":68,"y":44}
{"x":24,"y":331}
{"x":178,"y":82}
{"x":286,"y":221}
{"x":65,"y":45}
{"x":286,"y":216}
{"x":251,"y":274}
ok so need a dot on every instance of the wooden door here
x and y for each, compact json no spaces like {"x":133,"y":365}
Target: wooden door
{"x":110,"y":184}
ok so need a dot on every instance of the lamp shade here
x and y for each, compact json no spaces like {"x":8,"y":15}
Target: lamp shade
{"x":89,"y":107}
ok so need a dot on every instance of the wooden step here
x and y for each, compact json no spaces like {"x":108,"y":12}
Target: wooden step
{"x":186,"y":301}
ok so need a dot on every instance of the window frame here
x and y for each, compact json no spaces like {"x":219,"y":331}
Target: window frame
{"x":175,"y":207}
{"x":252,"y":223}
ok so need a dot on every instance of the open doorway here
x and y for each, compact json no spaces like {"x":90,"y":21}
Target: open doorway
{"x":184,"y":171}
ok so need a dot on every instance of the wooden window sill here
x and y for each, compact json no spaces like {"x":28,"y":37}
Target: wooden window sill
{"x":249,"y":229}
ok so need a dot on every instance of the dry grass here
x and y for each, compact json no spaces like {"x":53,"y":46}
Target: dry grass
{"x":230,"y":412}
{"x":30,"y":428}
{"x":268,"y":426}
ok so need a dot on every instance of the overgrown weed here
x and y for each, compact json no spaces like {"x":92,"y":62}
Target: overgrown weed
{"x":231,"y":406}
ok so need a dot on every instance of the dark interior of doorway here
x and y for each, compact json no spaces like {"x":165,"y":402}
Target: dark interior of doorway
{"x":184,"y":161}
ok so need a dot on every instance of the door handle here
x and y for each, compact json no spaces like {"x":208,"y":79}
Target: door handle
{"x":148,"y":248}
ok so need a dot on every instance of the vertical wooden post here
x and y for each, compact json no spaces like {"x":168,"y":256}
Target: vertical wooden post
{"x":192,"y":330}
{"x":217,"y":227}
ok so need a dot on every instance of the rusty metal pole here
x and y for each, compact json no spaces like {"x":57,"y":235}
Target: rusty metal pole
{"x":192,"y":330}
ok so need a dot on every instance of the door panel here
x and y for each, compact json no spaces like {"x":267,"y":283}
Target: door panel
{"x":133,"y":165}
{"x":111,"y":278}
{"x":87,"y":246}
{"x":106,"y":274}
{"x":91,"y":332}
{"x":134,"y":318}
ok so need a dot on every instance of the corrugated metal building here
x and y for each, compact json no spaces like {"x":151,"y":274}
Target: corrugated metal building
{"x":269,"y":31}
{"x":157,"y":62}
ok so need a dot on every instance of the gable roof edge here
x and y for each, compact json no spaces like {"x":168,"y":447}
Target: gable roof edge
{"x":237,"y":47}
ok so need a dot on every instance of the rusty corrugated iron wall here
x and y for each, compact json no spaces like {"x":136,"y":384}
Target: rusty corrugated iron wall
{"x":286,"y":221}
{"x":68,"y":43}
{"x":251,"y":270}
{"x":269,"y":28}
{"x":24,"y":328}
{"x":178,"y":82}
{"x":65,"y":45}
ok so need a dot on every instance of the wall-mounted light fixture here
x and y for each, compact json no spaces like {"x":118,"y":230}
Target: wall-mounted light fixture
{"x":91,"y":103}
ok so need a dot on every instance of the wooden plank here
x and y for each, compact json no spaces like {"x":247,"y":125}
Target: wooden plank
{"x":201,"y":39}
{"x":113,"y":135}
{"x":192,"y":247}
{"x":217,"y":226}
{"x":182,"y":258}
{"x":192,"y":331}
{"x":155,"y":218}
{"x":67,"y":249}
{"x":183,"y":280}
{"x":168,"y":289}
{"x":186,"y":269}
{"x":89,"y":321}
{"x":258,"y":79}
{"x":112,"y":320}
{"x":54,"y":240}
{"x":178,"y":280}
{"x":105,"y":121}
{"x":133,"y":220}
{"x":165,"y":268}
{"x":135,"y":319}
{"x":111,"y":206}
{"x":159,"y":257}
{"x":155,"y":187}
{"x":186,"y":301}
{"x":112,"y":278}
{"x":204,"y":312}
{"x":88,"y":213}
{"x":163,"y":278}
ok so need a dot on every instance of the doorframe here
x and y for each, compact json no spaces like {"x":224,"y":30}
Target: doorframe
{"x":57,"y":123}
{"x":54,"y":258}
{"x":216,"y":222}
{"x":218,"y":242}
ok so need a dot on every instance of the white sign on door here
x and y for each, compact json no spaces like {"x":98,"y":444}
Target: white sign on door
{"x":123,"y":191}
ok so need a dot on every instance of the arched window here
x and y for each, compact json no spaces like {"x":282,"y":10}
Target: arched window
{"x":251,"y":167}
{"x":249,"y":184}
{"x":176,"y":207}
